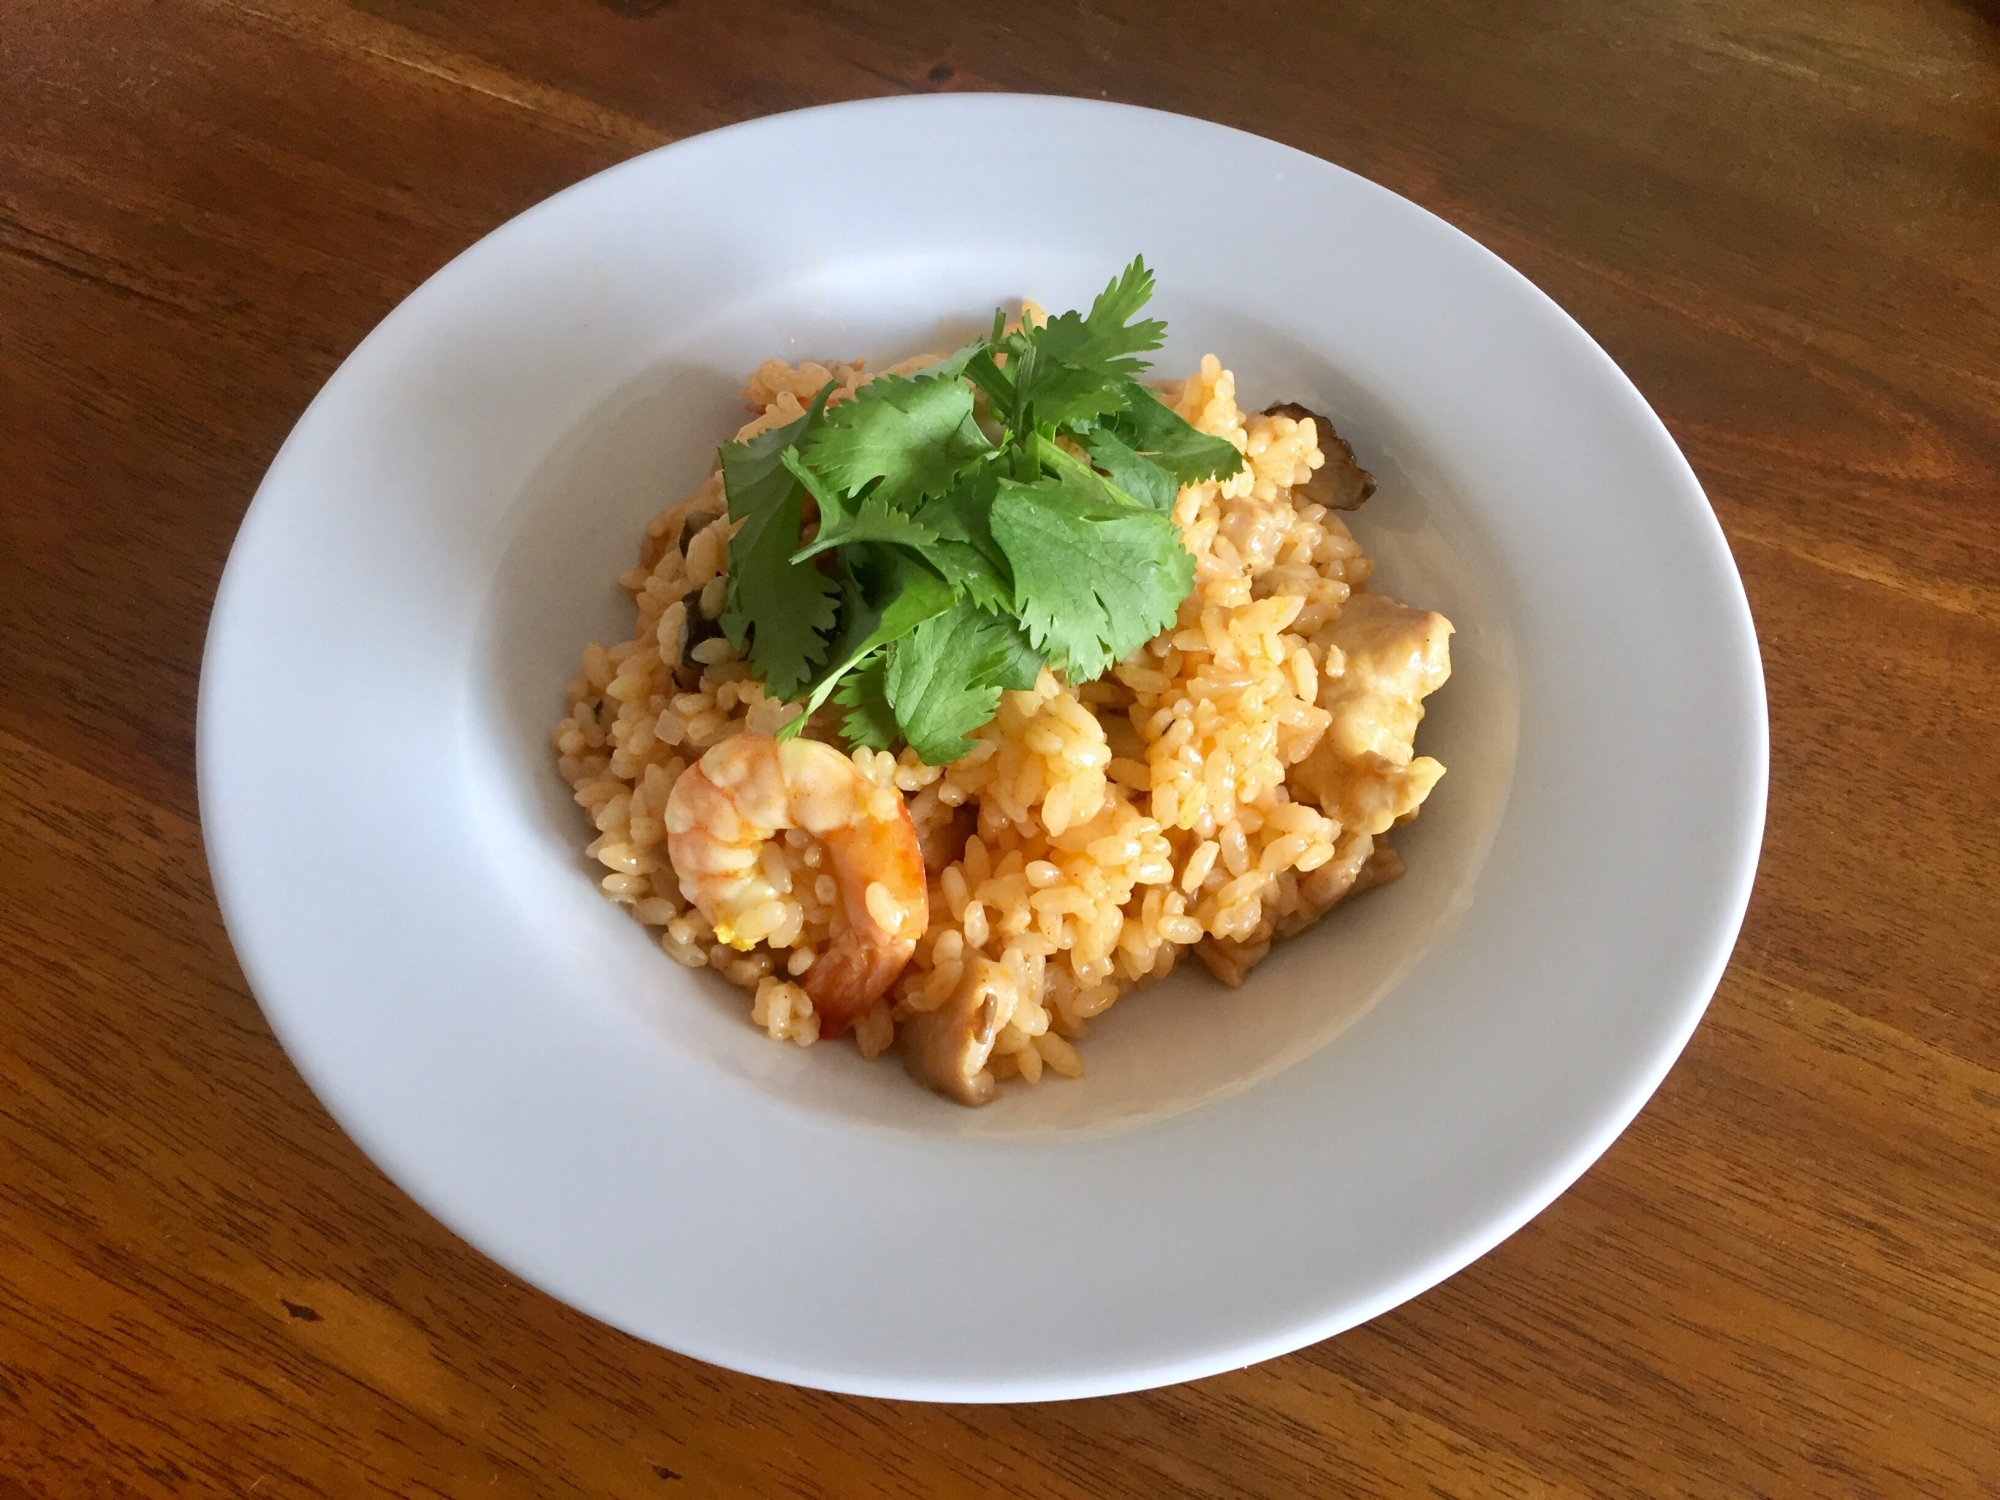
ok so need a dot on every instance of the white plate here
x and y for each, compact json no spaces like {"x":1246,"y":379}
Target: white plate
{"x":1239,"y":1174}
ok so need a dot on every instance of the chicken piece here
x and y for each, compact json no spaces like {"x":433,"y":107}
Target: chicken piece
{"x":1382,"y":660}
{"x":1392,"y":657}
{"x":1341,"y":483}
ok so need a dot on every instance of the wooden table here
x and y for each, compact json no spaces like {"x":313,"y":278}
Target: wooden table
{"x":1782,"y":219}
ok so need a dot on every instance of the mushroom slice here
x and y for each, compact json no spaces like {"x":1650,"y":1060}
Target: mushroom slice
{"x":947,"y":1048}
{"x":1341,"y":484}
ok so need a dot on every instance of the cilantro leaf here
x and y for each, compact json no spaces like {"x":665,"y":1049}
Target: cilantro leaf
{"x":974,"y":576}
{"x":1138,"y":476}
{"x":782,"y":608}
{"x":1106,"y":340}
{"x":965,"y":551}
{"x":872,"y":521}
{"x":1076,"y":367}
{"x":1092,"y":582}
{"x":832,"y":509}
{"x":944,"y":678}
{"x":953,"y":363}
{"x":870,"y":721}
{"x":888,"y":594}
{"x":1060,"y":394}
{"x":908,"y":435}
{"x":1155,"y":431}
{"x":1019,"y":665}
{"x":1095,"y":497}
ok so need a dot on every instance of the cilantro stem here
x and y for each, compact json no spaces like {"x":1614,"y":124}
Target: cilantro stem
{"x":1055,"y":456}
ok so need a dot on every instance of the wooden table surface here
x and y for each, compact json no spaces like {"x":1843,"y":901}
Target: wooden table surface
{"x":1782,"y":219}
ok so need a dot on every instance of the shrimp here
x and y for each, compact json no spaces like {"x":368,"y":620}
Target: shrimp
{"x":723,"y":811}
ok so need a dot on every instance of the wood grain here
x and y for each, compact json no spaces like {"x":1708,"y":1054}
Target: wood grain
{"x":1783,"y":220}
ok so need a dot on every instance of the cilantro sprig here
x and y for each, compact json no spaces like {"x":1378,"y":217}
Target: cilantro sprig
{"x":1009,"y":507}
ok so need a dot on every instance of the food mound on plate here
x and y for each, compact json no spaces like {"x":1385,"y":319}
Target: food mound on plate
{"x":968,"y":696}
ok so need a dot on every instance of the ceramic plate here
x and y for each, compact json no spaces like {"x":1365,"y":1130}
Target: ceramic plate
{"x":1239,"y":1173}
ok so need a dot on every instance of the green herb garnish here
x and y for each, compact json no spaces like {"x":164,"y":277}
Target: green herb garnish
{"x":962,"y":541}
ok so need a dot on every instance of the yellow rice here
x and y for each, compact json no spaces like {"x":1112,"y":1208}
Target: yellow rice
{"x":1094,"y":833}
